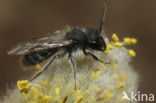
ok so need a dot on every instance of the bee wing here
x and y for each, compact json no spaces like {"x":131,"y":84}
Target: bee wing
{"x":51,"y":41}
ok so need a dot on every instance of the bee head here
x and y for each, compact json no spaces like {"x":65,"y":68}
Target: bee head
{"x":95,"y":41}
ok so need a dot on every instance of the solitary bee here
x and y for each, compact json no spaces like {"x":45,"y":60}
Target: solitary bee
{"x":36,"y":51}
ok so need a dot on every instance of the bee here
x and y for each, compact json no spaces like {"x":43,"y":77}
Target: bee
{"x":36,"y":51}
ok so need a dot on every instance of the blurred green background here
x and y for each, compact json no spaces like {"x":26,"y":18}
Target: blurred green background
{"x":24,"y":19}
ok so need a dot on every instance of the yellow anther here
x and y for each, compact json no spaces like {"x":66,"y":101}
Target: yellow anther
{"x":95,"y":74}
{"x":23,"y":86}
{"x":115,"y":76}
{"x":133,"y":40}
{"x":44,"y":99}
{"x":101,"y":66}
{"x":44,"y":83}
{"x":97,"y":89}
{"x":115,"y":37}
{"x":127,"y":40}
{"x":34,"y":92}
{"x":130,"y":41}
{"x":79,"y":99}
{"x":122,"y":78}
{"x":118,"y":44}
{"x":38,"y":67}
{"x":98,"y":73}
{"x":40,"y":96}
{"x":57,"y":91}
{"x":106,"y":96}
{"x":120,"y":86}
{"x":115,"y":67}
{"x":75,"y":93}
{"x":64,"y":99}
{"x":91,"y":99}
{"x":132,"y":53}
{"x":106,"y":51}
{"x":110,"y":47}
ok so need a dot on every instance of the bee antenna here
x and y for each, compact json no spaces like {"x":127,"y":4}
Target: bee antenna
{"x":103,"y":17}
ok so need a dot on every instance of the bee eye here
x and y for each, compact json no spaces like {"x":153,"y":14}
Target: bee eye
{"x":93,"y":42}
{"x":75,"y":41}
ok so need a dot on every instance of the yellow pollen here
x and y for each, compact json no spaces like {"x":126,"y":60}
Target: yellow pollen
{"x":38,"y":67}
{"x":110,"y":47}
{"x":118,"y":44}
{"x":75,"y":93}
{"x":133,"y":40}
{"x":97,"y":89}
{"x":23,"y":86}
{"x":44,"y":83}
{"x":115,"y":76}
{"x":64,"y":99}
{"x":121,"y":85}
{"x":115,"y":37}
{"x":130,"y":41}
{"x":44,"y":99}
{"x":107,"y":95}
{"x":106,"y":51}
{"x":101,"y":66}
{"x":132,"y":53}
{"x":79,"y":99}
{"x":34,"y":92}
{"x":95,"y":74}
{"x":57,"y":91}
{"x":122,"y":78}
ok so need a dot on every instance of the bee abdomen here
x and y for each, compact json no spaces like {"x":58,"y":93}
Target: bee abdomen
{"x":32,"y":59}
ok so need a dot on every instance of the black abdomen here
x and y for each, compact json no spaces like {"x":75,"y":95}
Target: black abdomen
{"x":37,"y":57}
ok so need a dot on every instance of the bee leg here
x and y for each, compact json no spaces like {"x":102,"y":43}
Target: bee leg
{"x":74,"y":68}
{"x":45,"y":67}
{"x":93,"y":56}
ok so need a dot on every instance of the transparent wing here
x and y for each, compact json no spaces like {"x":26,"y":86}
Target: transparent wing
{"x":56,"y":40}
